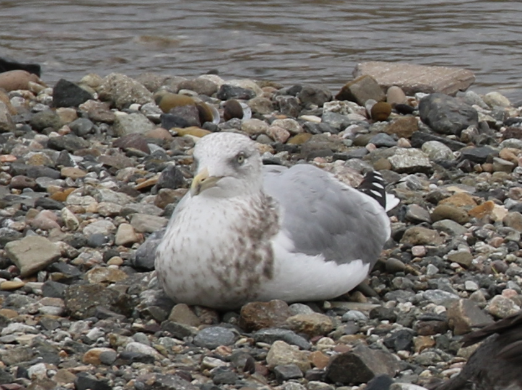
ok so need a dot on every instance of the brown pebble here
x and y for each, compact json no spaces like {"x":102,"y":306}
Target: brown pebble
{"x":232,"y":109}
{"x":381,"y":111}
{"x":167,"y":101}
{"x":205,"y":113}
{"x":482,"y":210}
{"x":10,"y":285}
{"x":17,"y":79}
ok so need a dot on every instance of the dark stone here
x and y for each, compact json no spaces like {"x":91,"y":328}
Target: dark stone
{"x":319,"y":128}
{"x":227,"y":91}
{"x":289,"y":106}
{"x":232,"y":109}
{"x":81,"y":126}
{"x":177,"y":330}
{"x":144,"y":256}
{"x":45,"y":119}
{"x":127,"y":358}
{"x":431,"y":327}
{"x":478,"y":155}
{"x":69,"y":142}
{"x":53,"y":289}
{"x":40,"y":171}
{"x":171,"y":177}
{"x":85,"y":381}
{"x":418,"y":138}
{"x":168,"y":121}
{"x":189,"y":113}
{"x":64,"y":159}
{"x":381,"y":382}
{"x":383,"y":313}
{"x":401,"y":340}
{"x":48,"y":204}
{"x":5,"y":377}
{"x":67,"y":94}
{"x":243,"y":362}
{"x":20,"y":182}
{"x":98,"y":240}
{"x":7,"y":64}
{"x":76,"y":240}
{"x":102,"y":313}
{"x":315,"y":374}
{"x":273,"y":334}
{"x":360,"y":365}
{"x":214,"y":336}
{"x":311,"y":94}
{"x":383,"y":140}
{"x":132,"y":141}
{"x":404,"y":109}
{"x":81,"y":300}
{"x":446,"y":114}
{"x":155,"y":381}
{"x":285,"y":372}
{"x":223,"y":376}
{"x":259,"y":315}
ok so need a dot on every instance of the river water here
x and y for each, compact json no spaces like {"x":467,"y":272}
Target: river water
{"x":289,"y":41}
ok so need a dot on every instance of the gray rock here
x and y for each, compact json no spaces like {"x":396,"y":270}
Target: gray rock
{"x":464,"y":315}
{"x":144,"y":223}
{"x":214,"y":336}
{"x":131,"y":123}
{"x":383,"y":140}
{"x":46,"y":119}
{"x":478,"y":154}
{"x":445,"y":114}
{"x":289,"y":106}
{"x":122,"y":91}
{"x":449,"y":227}
{"x":32,"y":254}
{"x":362,"y":89}
{"x":81,"y":126}
{"x":313,"y":94}
{"x":439,"y":297}
{"x":81,"y":301}
{"x":68,"y":94}
{"x":272,"y":334}
{"x":410,"y":161}
{"x":227,"y":91}
{"x":437,"y":151}
{"x":361,"y":365}
{"x":414,"y":78}
{"x":285,"y":372}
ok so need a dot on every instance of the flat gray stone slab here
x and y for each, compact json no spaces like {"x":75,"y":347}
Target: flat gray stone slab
{"x":417,"y":78}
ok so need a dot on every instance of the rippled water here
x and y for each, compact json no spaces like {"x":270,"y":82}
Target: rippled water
{"x":288,"y":41}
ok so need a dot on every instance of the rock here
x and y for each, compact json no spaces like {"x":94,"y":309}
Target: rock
{"x":144,"y":223}
{"x":513,"y":220}
{"x":200,"y":85}
{"x":380,"y":111}
{"x":81,"y":126}
{"x":395,"y":95}
{"x":445,"y":114}
{"x":403,"y":127}
{"x":122,"y":91}
{"x":478,"y":154}
{"x":46,"y":119}
{"x":290,"y":125}
{"x":105,"y":275}
{"x":502,"y":307}
{"x":449,"y":227}
{"x":418,"y":235}
{"x":32,"y":254}
{"x":270,"y":335}
{"x":17,"y":79}
{"x":413,"y":78}
{"x":495,"y":99}
{"x":360,"y":90}
{"x":360,"y":365}
{"x":418,"y":138}
{"x":126,"y":235}
{"x":315,"y":324}
{"x":254,"y":126}
{"x":416,"y":213}
{"x":133,"y":141}
{"x":232,"y":109}
{"x":145,"y":254}
{"x":182,"y":314}
{"x":382,"y":140}
{"x":437,"y":151}
{"x":126,"y":124}
{"x":312,"y":94}
{"x":287,"y":372}
{"x":448,"y":211}
{"x":214,"y":336}
{"x":261,"y":105}
{"x":259,"y":315}
{"x":6,"y":121}
{"x":409,"y":161}
{"x":67,"y":94}
{"x":281,"y":353}
{"x":227,"y":91}
{"x":81,"y":301}
{"x":94,"y":356}
{"x":464,"y":315}
{"x":69,"y":142}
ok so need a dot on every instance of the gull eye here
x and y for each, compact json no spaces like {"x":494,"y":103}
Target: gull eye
{"x":240,"y":158}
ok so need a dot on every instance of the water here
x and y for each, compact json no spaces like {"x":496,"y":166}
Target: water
{"x":289,"y":41}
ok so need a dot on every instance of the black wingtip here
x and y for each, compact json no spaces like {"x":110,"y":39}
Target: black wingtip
{"x":373,"y":186}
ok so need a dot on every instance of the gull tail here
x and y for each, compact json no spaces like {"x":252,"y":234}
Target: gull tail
{"x":373,"y":185}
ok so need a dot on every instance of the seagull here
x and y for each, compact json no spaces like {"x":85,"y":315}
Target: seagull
{"x":247,"y":232}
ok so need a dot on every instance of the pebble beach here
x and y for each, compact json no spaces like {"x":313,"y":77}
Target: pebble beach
{"x":91,"y":170}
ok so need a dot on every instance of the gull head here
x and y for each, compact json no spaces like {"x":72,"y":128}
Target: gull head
{"x":227,"y":165}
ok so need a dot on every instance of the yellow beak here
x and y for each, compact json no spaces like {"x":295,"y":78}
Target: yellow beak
{"x":203,"y":181}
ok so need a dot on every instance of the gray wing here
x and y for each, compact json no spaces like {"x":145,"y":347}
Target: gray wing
{"x":324,"y":216}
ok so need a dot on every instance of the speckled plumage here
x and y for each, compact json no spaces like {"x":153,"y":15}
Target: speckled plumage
{"x":247,"y":232}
